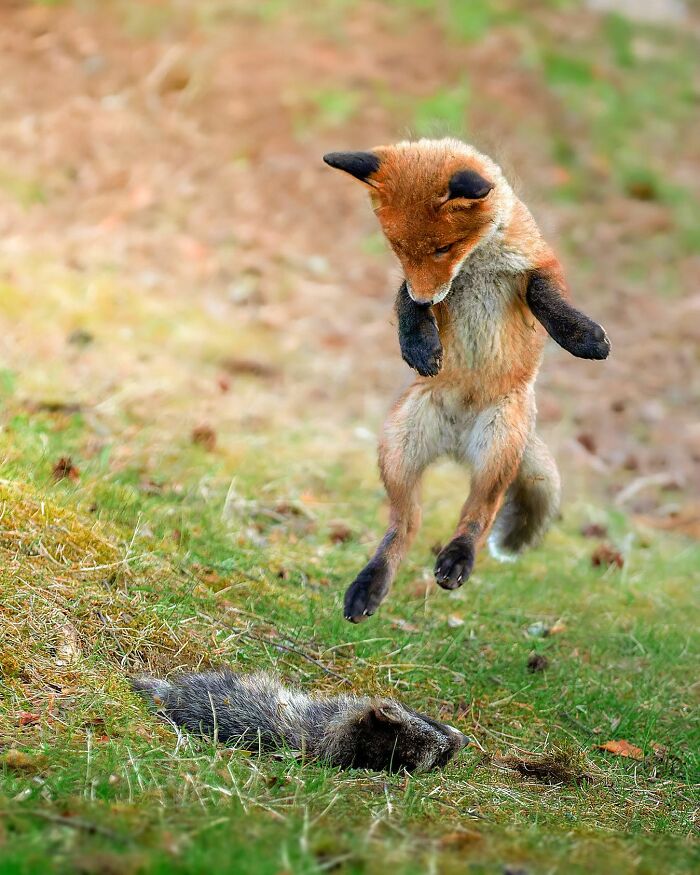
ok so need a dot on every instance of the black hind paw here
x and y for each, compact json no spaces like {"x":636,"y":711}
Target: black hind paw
{"x":455,"y":563}
{"x":367,"y":591}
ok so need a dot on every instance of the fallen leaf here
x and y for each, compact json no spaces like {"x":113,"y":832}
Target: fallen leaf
{"x":588,"y":442}
{"x":64,"y":469}
{"x":67,"y":407}
{"x":630,"y":462}
{"x":250,"y":368}
{"x":340,"y":533}
{"x":594,"y":530}
{"x":210,"y":577}
{"x":19,"y":761}
{"x":27,"y":718}
{"x":80,"y":337}
{"x":642,"y":190}
{"x":150,"y":487}
{"x":308,"y":498}
{"x":404,"y":625}
{"x":204,"y":436}
{"x":607,"y":556}
{"x":537,"y":662}
{"x":622,"y":748}
{"x":557,"y":629}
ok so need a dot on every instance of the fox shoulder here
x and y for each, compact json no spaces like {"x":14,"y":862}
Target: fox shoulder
{"x":523,"y":240}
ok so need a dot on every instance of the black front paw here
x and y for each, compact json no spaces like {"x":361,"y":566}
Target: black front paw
{"x":593,"y":343}
{"x":423,"y":352}
{"x":455,"y":563}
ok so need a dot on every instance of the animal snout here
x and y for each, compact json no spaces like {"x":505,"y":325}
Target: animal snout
{"x":429,"y":298}
{"x":463,"y":739}
{"x":423,"y":300}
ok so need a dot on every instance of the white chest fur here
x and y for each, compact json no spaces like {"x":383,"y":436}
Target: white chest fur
{"x":481,"y":293}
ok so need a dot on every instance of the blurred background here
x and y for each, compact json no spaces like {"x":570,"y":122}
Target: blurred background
{"x":176,"y":257}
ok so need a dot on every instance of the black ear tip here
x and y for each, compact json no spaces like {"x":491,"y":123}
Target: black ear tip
{"x":357,"y":164}
{"x":332,"y":159}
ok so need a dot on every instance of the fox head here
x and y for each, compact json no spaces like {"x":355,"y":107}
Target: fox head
{"x":436,"y":201}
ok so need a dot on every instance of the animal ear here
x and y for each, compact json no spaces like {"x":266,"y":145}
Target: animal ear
{"x":361,"y":165}
{"x":385,"y":712}
{"x":468,"y":184}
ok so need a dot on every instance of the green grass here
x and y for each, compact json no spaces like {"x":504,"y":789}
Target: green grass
{"x":89,"y":597}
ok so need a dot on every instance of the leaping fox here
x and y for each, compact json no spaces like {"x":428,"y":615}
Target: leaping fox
{"x":480,"y":285}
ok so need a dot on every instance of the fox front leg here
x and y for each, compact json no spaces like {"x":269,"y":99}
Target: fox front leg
{"x":570,"y":328}
{"x":418,"y":335}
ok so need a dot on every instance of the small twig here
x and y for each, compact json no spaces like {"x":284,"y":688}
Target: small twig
{"x":74,"y":822}
{"x":661,"y":479}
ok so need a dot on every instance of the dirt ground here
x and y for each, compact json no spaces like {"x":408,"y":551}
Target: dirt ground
{"x":184,"y":256}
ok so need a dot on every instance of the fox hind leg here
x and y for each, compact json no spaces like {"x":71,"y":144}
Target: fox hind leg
{"x":494,"y":446}
{"x":410,"y":441}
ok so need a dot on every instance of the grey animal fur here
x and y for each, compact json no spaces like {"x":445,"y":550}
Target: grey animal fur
{"x":257,"y":712}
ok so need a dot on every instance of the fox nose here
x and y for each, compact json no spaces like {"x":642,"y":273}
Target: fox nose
{"x":422,"y":302}
{"x":436,"y":295}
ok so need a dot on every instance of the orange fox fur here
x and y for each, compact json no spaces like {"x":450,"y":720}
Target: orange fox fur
{"x":476,"y":270}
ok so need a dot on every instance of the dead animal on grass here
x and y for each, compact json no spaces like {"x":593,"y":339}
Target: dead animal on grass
{"x":256,"y":712}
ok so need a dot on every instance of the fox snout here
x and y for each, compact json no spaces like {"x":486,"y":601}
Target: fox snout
{"x":430,"y":296}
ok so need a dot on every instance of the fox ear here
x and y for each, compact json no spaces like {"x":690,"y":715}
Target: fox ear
{"x":361,"y":165}
{"x":468,"y":184}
